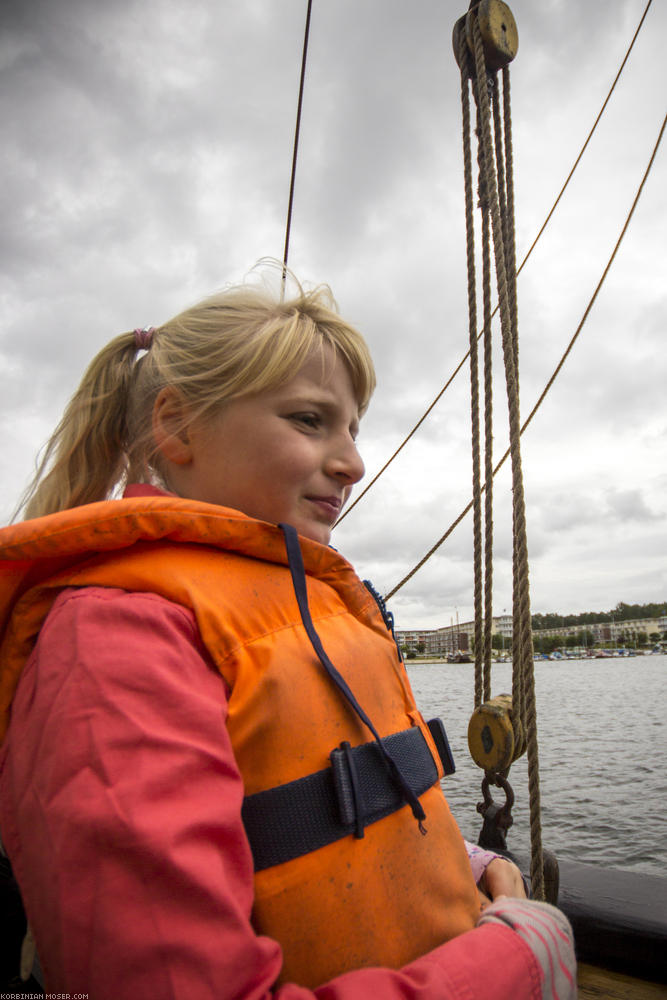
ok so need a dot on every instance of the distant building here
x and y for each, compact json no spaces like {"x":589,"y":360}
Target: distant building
{"x":451,"y":638}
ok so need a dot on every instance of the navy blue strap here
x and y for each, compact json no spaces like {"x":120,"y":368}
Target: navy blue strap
{"x":298,"y":573}
{"x":355,"y":791}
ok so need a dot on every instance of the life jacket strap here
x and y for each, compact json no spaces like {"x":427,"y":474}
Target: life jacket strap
{"x":298,"y":574}
{"x":301,"y":816}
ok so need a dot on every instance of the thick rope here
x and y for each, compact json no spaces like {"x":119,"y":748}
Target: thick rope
{"x":524,"y":261}
{"x":474,"y":373}
{"x":523,"y":646}
{"x":488,"y":443}
{"x":500,"y":160}
{"x":510,"y":246}
{"x":504,"y":155}
{"x":523,"y":677}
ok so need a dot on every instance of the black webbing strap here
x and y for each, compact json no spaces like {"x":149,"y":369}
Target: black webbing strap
{"x":298,"y":573}
{"x":303,"y":815}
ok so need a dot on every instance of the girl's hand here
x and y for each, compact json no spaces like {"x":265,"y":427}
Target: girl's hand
{"x":548,"y":934}
{"x":502,"y":878}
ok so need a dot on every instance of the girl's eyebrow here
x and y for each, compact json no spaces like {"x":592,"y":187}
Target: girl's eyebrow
{"x":314,"y":397}
{"x":311,"y":399}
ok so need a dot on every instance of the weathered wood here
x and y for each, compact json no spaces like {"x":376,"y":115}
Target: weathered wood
{"x":601,"y":984}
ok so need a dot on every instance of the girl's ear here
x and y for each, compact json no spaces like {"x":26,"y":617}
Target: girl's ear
{"x":170,"y":431}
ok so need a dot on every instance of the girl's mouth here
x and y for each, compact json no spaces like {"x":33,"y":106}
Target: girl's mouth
{"x":330,"y":506}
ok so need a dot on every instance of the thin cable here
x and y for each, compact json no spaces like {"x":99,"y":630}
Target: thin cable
{"x":295,"y":152}
{"x":518,"y":272}
{"x":556,"y":371}
{"x":588,"y":139}
{"x":405,"y":441}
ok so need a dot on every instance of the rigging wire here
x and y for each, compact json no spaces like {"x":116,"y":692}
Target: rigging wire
{"x":555,"y":373}
{"x":295,"y":152}
{"x":465,"y":357}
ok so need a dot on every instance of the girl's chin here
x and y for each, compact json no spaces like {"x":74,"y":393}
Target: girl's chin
{"x":315,"y":532}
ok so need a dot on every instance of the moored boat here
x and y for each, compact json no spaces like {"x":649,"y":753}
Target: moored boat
{"x":458,"y":657}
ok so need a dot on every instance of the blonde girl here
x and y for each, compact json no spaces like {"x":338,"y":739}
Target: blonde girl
{"x":214,"y":780}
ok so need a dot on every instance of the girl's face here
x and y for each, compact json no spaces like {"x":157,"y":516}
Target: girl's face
{"x":286,"y":454}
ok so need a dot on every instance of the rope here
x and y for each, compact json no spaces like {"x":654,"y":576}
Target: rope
{"x":295,"y":152}
{"x":474,"y":368}
{"x":488,"y":435}
{"x":522,"y":661}
{"x":466,"y":510}
{"x":518,"y":271}
{"x":488,"y":457}
{"x":524,"y":676}
{"x":523,"y":679}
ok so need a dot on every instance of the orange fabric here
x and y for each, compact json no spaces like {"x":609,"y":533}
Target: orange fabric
{"x":382,"y":900}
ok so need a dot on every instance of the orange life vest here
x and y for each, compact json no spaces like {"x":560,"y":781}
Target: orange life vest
{"x":383,"y":899}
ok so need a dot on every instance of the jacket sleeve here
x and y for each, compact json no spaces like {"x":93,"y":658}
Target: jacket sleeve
{"x":120,"y":808}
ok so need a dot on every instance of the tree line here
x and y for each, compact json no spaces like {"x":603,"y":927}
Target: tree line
{"x":621,"y":613}
{"x":585,"y":640}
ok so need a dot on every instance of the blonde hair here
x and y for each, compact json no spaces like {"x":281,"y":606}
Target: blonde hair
{"x":239,"y":342}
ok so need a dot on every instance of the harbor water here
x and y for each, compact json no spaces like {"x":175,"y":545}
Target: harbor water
{"x":602,"y":730}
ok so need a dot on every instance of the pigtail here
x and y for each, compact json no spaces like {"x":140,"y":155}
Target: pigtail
{"x":85,"y":457}
{"x":241,"y":341}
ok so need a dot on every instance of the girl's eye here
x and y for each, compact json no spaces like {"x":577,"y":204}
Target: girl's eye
{"x":311,"y":420}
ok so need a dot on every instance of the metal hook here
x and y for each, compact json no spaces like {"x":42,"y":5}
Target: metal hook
{"x":497,"y":819}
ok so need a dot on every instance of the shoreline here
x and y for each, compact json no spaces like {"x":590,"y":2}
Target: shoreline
{"x":540,"y":657}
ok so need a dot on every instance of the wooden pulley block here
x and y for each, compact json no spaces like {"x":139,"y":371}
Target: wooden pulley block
{"x":495,"y":740}
{"x":499,"y":33}
{"x":497,"y":26}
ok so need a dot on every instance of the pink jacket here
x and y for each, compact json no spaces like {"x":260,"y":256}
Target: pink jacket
{"x":133,"y":891}
{"x":151,"y":896}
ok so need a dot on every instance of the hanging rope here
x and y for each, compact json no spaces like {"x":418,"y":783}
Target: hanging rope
{"x":466,"y":510}
{"x":494,"y":198}
{"x":474,"y":383}
{"x":524,"y":261}
{"x":295,"y":152}
{"x":495,"y":201}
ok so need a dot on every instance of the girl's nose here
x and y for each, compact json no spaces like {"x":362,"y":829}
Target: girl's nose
{"x":345,"y":462}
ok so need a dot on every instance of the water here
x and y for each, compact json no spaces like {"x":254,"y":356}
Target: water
{"x":602,"y":730}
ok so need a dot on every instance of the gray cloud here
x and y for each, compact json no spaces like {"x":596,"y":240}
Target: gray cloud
{"x":630,"y":505}
{"x":145,"y":162}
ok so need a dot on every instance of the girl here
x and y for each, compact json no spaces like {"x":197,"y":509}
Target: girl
{"x":215,"y":782}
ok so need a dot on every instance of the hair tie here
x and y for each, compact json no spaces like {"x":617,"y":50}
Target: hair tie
{"x":143,"y":337}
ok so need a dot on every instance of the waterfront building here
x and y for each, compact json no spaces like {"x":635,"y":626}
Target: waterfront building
{"x":458,"y":638}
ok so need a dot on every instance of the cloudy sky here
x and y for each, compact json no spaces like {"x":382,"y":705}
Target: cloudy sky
{"x":146,"y":149}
